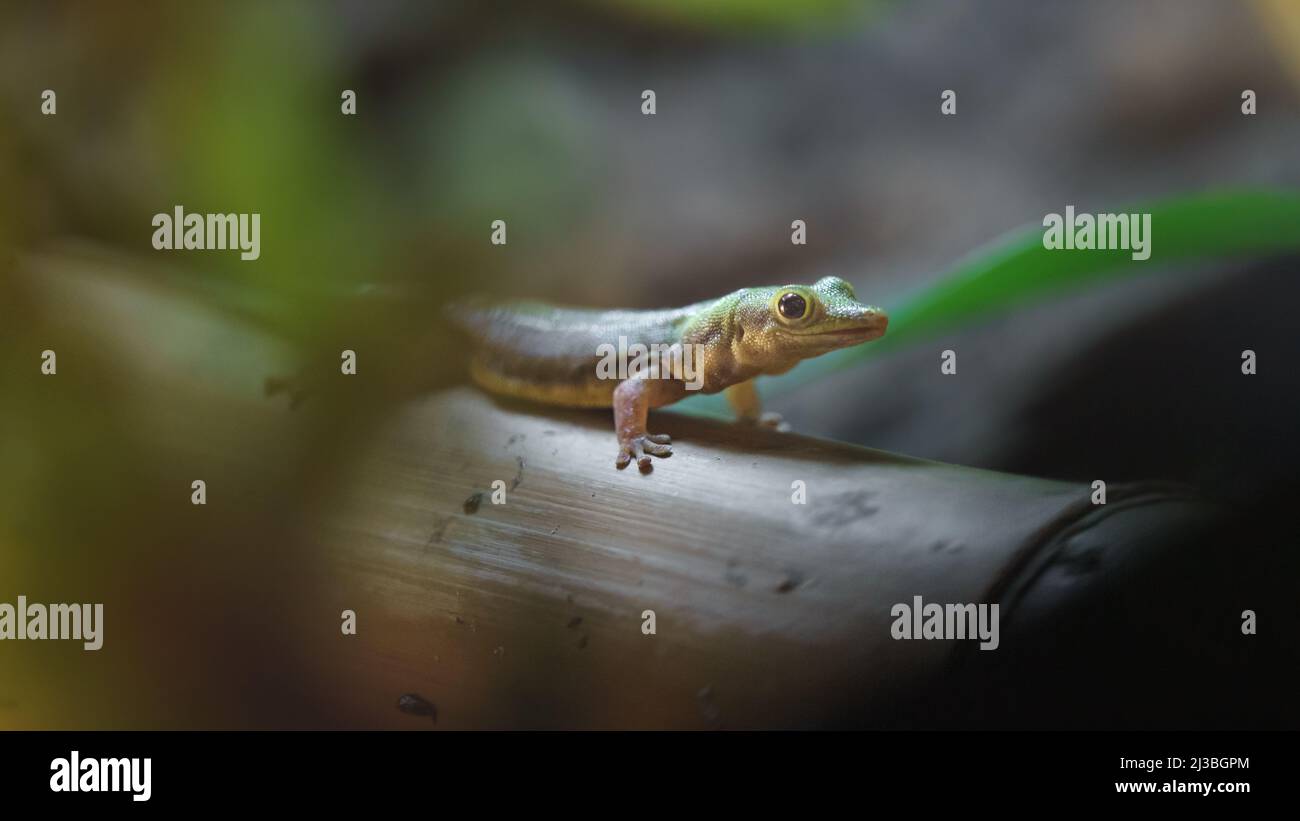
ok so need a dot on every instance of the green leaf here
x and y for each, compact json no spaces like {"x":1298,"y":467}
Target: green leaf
{"x":1017,"y":271}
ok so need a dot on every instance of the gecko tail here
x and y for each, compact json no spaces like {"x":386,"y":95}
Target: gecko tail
{"x":471,"y":313}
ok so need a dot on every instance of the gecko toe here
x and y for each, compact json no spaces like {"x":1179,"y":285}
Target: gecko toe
{"x":641,"y":448}
{"x":658,"y":450}
{"x":659,"y":438}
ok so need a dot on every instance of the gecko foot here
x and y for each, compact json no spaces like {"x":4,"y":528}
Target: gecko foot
{"x":641,"y":448}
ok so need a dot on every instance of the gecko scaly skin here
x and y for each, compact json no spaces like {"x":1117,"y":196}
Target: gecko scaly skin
{"x":549,"y":354}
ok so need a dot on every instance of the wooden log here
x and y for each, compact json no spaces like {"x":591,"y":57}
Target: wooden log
{"x":767,"y":612}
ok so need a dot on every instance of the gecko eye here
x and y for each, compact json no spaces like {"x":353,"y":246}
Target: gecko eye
{"x":792,"y":306}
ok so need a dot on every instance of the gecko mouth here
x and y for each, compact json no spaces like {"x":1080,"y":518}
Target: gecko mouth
{"x":864,"y":332}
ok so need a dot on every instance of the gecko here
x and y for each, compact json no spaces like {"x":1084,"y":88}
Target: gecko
{"x":551,"y":354}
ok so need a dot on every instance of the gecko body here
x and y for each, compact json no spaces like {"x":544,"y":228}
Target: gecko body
{"x":550,"y":354}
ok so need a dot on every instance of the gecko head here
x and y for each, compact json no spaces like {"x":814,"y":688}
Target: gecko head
{"x":802,"y":321}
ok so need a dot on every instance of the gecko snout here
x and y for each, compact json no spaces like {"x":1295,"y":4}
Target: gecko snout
{"x":872,"y":318}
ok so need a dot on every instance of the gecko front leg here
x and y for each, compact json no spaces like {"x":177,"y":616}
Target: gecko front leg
{"x":633,"y":399}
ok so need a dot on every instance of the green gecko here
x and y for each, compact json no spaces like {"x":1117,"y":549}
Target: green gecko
{"x":550,"y":354}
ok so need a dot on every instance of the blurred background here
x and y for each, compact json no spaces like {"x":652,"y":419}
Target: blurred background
{"x":469,"y":112}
